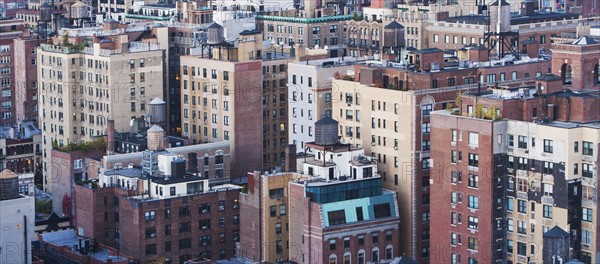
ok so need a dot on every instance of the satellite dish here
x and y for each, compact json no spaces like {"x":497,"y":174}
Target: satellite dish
{"x":326,"y":47}
{"x":317,"y":46}
{"x":131,"y":122}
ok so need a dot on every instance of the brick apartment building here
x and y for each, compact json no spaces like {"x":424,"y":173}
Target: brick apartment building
{"x":11,"y":30}
{"x":504,"y":155}
{"x":386,"y":110}
{"x":221,"y":98}
{"x":26,"y":96}
{"x":167,"y":210}
{"x":329,"y":226}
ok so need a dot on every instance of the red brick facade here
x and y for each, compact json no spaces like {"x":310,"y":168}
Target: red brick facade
{"x":122,"y":222}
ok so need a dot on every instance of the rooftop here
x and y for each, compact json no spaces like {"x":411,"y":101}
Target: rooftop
{"x":335,"y":62}
{"x":514,"y":20}
{"x":305,"y":20}
{"x":69,"y":239}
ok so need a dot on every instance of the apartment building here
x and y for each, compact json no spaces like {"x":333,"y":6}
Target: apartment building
{"x":25,"y":63}
{"x":82,"y":87}
{"x":275,"y":106}
{"x":456,"y":32}
{"x":520,"y":162}
{"x":221,"y":96}
{"x":264,"y":210}
{"x":386,"y":110}
{"x":20,"y":148}
{"x":11,"y":30}
{"x":160,"y":205}
{"x":330,"y":226}
{"x":314,"y":32}
{"x":310,"y":95}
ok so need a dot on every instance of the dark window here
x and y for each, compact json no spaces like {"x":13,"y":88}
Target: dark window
{"x":382,"y":210}
{"x":359,"y":214}
{"x":151,"y":249}
{"x":185,"y":211}
{"x":337,"y":217}
{"x":276,"y":193}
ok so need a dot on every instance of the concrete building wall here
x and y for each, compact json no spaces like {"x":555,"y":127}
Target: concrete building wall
{"x":17,"y":223}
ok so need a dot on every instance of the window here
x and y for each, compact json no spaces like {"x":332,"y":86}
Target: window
{"x":374,"y":238}
{"x":375,"y":255}
{"x":548,"y":167}
{"x":521,"y":227}
{"x":547,"y":211}
{"x":185,"y":227}
{"x":511,"y":140}
{"x":473,"y":243}
{"x":473,"y":139}
{"x":473,"y":181}
{"x":548,"y":146}
{"x":473,"y":202}
{"x":473,"y":160}
{"x":522,"y":206}
{"x":454,"y":135}
{"x":185,"y":243}
{"x":521,"y":249}
{"x":548,"y":189}
{"x":523,"y":142}
{"x":586,"y":214}
{"x":473,"y":222}
{"x":332,"y":244}
{"x":510,"y":204}
{"x":586,"y":236}
{"x":150,"y":215}
{"x":282,"y":209}
{"x":586,"y":170}
{"x":337,"y":217}
{"x":151,"y":249}
{"x":426,"y":109}
{"x":273,"y":210}
{"x":588,"y":149}
{"x":509,"y":225}
{"x":346,"y":242}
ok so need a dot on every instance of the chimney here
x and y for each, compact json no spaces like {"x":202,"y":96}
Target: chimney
{"x":290,"y":158}
{"x":550,"y":112}
{"x":192,"y":162}
{"x":110,"y":141}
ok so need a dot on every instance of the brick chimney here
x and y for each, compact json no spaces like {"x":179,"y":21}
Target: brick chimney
{"x":110,"y":141}
{"x":290,"y":158}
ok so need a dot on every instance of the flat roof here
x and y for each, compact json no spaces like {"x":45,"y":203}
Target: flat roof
{"x":69,"y":239}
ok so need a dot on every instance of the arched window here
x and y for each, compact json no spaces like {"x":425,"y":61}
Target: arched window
{"x":375,"y":255}
{"x":597,"y":74}
{"x":332,"y":259}
{"x":567,"y":74}
{"x":347,"y":258}
{"x":361,"y":257}
{"x":389,"y":252}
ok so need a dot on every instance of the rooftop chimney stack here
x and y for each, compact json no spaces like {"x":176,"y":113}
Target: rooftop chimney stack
{"x":110,"y":141}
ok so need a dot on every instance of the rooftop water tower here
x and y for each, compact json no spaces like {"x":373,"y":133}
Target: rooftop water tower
{"x":500,"y":40}
{"x":158,"y":112}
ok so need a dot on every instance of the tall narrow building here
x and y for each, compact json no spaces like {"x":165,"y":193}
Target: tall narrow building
{"x":221,"y":97}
